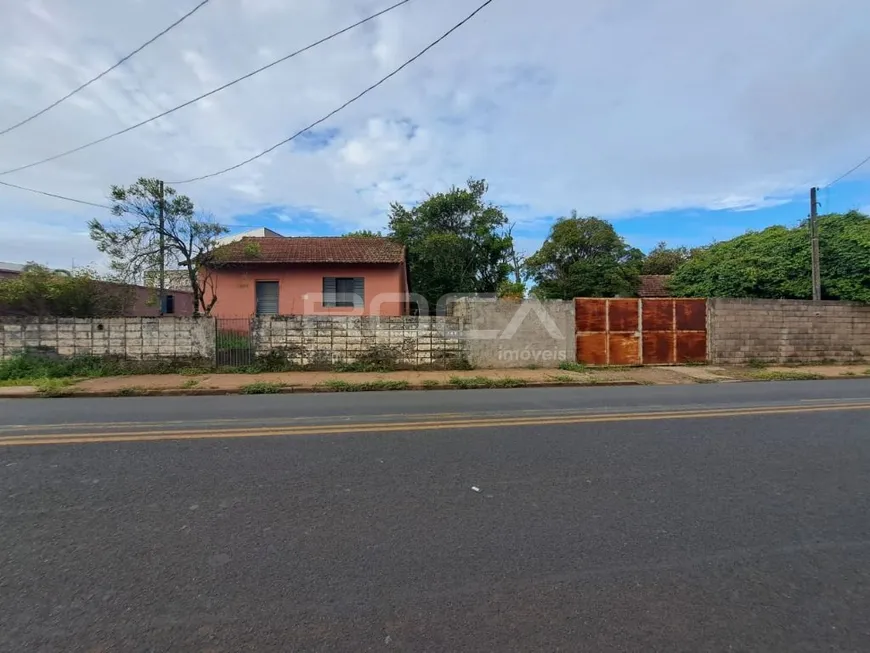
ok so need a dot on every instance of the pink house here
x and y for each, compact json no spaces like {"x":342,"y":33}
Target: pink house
{"x":309,"y":276}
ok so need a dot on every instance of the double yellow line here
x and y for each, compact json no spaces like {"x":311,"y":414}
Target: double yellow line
{"x":429,"y":425}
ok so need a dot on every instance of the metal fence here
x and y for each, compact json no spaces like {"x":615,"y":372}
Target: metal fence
{"x":234,"y":342}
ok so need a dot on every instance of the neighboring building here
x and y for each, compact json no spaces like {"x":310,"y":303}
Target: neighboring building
{"x":310,"y":276}
{"x":261,"y":232}
{"x":143,"y":301}
{"x":140,"y":301}
{"x":10,"y":270}
{"x":653,"y":285}
{"x":172,"y":280}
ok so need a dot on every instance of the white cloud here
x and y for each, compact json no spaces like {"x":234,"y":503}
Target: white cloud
{"x":613,"y":107}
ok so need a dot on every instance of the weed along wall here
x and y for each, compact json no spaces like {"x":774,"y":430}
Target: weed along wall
{"x":505,"y":334}
{"x":127,"y":337}
{"x":744,"y":330}
{"x":377,"y":342}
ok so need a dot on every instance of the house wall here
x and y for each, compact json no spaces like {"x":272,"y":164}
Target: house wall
{"x":742,"y":330}
{"x":300,"y":289}
{"x":144,"y":303}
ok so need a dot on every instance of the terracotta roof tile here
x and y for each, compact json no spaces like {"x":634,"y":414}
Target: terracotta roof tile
{"x":328,"y":249}
{"x":653,"y":285}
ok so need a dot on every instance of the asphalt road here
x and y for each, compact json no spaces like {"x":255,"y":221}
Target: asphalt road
{"x":699,"y":518}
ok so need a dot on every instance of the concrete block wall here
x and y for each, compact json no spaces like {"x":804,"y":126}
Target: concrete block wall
{"x":780,"y":331}
{"x":511,"y":334}
{"x":325,"y":340}
{"x":134,"y":338}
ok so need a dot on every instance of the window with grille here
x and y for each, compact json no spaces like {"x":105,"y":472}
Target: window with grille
{"x":343,"y":292}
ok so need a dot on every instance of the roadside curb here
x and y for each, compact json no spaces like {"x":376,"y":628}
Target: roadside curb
{"x":213,"y":392}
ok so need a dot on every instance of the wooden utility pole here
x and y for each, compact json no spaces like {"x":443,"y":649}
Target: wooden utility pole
{"x":162,"y":292}
{"x":814,"y":236}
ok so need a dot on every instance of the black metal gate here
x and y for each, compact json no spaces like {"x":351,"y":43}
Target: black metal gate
{"x":234,"y":342}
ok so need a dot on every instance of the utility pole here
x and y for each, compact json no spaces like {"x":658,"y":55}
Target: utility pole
{"x":162,"y":292}
{"x":814,"y":236}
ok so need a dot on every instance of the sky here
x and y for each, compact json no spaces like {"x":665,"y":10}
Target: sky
{"x":680,"y":120}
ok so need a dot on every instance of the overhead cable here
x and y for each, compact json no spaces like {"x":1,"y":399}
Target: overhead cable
{"x":106,"y":71}
{"x":55,"y":195}
{"x":205,"y":95}
{"x":343,"y":106}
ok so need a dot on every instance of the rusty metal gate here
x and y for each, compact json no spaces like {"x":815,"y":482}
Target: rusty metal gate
{"x":640,"y":331}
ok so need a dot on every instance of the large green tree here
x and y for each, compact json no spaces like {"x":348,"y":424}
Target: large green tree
{"x":664,"y":260}
{"x":456,"y":242}
{"x":133,"y":243}
{"x":584,"y":257}
{"x":41,"y":292}
{"x":776,"y":263}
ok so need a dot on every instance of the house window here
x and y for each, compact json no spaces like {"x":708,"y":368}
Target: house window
{"x":343,"y":292}
{"x":267,"y":297}
{"x":169,"y":305}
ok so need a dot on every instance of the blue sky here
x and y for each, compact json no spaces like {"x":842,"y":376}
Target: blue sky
{"x":678,"y":120}
{"x":689,"y":227}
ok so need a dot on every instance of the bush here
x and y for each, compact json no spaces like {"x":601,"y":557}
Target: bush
{"x":337,"y":385}
{"x":261,"y":388}
{"x":39,"y":291}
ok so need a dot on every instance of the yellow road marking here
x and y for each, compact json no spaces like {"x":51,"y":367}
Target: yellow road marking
{"x":336,"y":429}
{"x":226,"y":420}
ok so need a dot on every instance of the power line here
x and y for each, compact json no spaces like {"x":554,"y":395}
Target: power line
{"x":108,"y":70}
{"x":205,"y":95}
{"x":60,"y":197}
{"x":849,"y":172}
{"x":346,"y":104}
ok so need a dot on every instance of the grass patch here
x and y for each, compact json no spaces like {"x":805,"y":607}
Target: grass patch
{"x":756,"y":364}
{"x":474,"y":382}
{"x":571,"y":366}
{"x":362,"y":366}
{"x":261,"y":388}
{"x":194,"y":371}
{"x":15,"y":383}
{"x":131,"y":391}
{"x":563,"y":378}
{"x":54,"y":387}
{"x":337,"y":385}
{"x":430,"y":383}
{"x":232,"y":340}
{"x":41,"y":366}
{"x":190,"y":383}
{"x":784,"y":375}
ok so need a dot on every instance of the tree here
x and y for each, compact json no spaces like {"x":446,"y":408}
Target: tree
{"x":41,"y":292}
{"x":776,"y":263}
{"x":515,"y":289}
{"x":133,"y":244}
{"x":363,"y":233}
{"x":584,"y":257}
{"x":664,"y":260}
{"x":456,"y":242}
